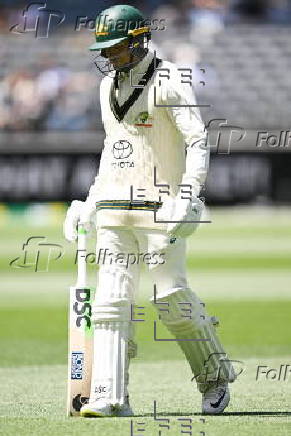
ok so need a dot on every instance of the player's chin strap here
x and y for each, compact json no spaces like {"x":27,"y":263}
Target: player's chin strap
{"x":137,"y":52}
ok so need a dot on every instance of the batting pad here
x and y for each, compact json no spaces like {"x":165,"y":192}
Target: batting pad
{"x":184,"y":315}
{"x":112,"y":349}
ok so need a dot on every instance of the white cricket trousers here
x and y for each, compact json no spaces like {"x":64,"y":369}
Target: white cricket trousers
{"x":120,"y":253}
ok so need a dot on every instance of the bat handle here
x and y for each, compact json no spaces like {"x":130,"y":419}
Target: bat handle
{"x":81,"y":257}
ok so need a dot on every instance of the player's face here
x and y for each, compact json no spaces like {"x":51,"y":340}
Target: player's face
{"x":118,"y":54}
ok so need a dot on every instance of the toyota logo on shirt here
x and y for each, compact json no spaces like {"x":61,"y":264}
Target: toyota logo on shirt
{"x":122,"y":149}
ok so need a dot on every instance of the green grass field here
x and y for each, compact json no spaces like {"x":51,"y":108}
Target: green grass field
{"x":239,"y":265}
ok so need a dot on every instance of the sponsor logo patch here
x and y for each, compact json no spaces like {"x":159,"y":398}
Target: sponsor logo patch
{"x":122,"y":149}
{"x":77,"y":363}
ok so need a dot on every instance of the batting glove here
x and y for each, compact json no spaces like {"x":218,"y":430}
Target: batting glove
{"x":88,"y":216}
{"x":188,"y":214}
{"x":79,"y":212}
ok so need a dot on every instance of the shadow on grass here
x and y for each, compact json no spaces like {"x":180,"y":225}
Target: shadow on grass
{"x":217,"y":414}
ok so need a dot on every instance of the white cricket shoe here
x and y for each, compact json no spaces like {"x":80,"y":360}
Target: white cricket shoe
{"x":215,"y":399}
{"x":99,"y":409}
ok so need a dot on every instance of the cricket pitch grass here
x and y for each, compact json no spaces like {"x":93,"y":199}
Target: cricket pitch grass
{"x":239,"y":265}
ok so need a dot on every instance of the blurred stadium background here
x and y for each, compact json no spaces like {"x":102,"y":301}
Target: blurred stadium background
{"x":239,"y":52}
{"x":51,"y":138}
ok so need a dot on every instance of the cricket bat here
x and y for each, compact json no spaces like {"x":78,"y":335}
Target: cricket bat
{"x":80,"y":334}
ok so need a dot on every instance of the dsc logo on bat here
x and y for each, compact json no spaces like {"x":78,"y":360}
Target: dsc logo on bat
{"x":82,"y":307}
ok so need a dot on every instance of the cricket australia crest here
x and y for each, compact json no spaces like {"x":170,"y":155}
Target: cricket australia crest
{"x":143,"y":120}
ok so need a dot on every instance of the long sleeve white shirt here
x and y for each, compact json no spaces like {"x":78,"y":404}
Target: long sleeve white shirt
{"x":144,"y":153}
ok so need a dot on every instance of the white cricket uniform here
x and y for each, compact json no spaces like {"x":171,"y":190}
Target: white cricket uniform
{"x":148,"y":136}
{"x":150,"y":139}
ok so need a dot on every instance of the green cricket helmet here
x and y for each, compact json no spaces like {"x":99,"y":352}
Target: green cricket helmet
{"x":116,"y":24}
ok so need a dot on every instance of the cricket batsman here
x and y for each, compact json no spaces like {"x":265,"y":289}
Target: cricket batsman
{"x":144,"y":203}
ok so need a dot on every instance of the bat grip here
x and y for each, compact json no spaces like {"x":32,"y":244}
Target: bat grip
{"x":81,"y":257}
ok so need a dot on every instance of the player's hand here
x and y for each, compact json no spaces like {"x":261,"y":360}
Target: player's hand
{"x":166,"y":210}
{"x":82,"y":212}
{"x":88,"y":216}
{"x":72,"y":219}
{"x":188,"y":212}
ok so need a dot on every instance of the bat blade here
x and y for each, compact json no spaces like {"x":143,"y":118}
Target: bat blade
{"x":80,"y":348}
